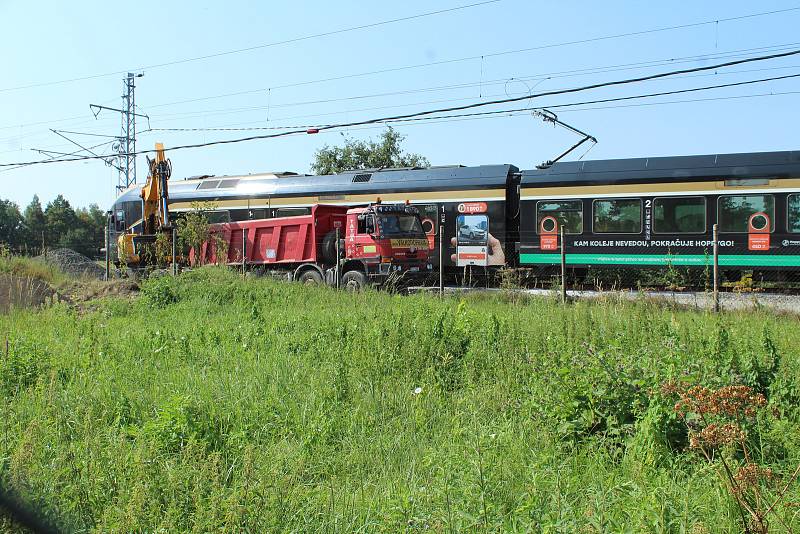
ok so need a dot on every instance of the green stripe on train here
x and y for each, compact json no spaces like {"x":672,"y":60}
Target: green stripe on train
{"x":747,"y":260}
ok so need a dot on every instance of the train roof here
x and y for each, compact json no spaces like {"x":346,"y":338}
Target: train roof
{"x":711,"y":167}
{"x":379,"y":181}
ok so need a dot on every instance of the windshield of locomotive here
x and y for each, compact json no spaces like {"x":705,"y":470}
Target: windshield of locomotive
{"x":400,"y":225}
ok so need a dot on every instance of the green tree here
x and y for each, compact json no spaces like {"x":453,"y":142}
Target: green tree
{"x":381,"y":154}
{"x":93,"y":221}
{"x":60,"y":218}
{"x":35,"y":223}
{"x":194,"y":230}
{"x":11,"y":224}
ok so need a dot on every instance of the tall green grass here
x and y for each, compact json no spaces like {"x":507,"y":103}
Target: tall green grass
{"x":215,"y":403}
{"x":31,"y":268}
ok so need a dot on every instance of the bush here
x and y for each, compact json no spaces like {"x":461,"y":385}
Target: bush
{"x":159,"y":291}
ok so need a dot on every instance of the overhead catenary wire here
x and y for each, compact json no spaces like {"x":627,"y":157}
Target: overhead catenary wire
{"x":441,"y":110}
{"x":167,"y":118}
{"x":478,"y":57}
{"x":256,"y":47}
{"x":554,"y":106}
{"x":237,"y":126}
{"x":556,"y":74}
{"x":548,"y":76}
{"x":62,"y":154}
{"x":526,"y":111}
{"x":404,"y":105}
{"x":518,"y":112}
{"x":407,"y":67}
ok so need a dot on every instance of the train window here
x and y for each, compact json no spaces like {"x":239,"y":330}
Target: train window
{"x":568,"y":213}
{"x":620,"y":216}
{"x":240,"y":215}
{"x":794,"y":213}
{"x":679,"y":215}
{"x":428,"y":213}
{"x":258,"y":213}
{"x":228,"y":184}
{"x":291,"y":212}
{"x":119,"y":221}
{"x":735,"y":210}
{"x":208,"y":184}
{"x":221,"y":216}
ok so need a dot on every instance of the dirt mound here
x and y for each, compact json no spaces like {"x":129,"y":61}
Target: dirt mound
{"x":23,"y":292}
{"x":72,"y":263}
{"x":79,"y":292}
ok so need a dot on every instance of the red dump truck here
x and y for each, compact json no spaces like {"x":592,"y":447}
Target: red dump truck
{"x":374,"y":242}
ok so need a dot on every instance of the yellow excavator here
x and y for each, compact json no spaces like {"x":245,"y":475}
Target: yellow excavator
{"x":132,"y":247}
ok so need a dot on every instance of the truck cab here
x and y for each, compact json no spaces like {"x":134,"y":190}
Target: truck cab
{"x":382,"y":239}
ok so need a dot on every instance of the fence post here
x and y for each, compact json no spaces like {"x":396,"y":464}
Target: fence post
{"x":338,"y":260}
{"x":244,"y":251}
{"x":108,"y":258}
{"x":563,"y":268}
{"x":716,"y":269}
{"x":44,"y":246}
{"x":441,"y":260}
{"x":174,"y":251}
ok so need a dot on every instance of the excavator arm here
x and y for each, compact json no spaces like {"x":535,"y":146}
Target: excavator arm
{"x":155,"y":210}
{"x":155,"y":193}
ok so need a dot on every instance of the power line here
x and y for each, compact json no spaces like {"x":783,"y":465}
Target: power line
{"x":526,"y":111}
{"x":685,"y":101}
{"x":62,"y":154}
{"x":563,"y":107}
{"x":468,"y":58}
{"x":426,"y":113}
{"x":600,"y":38}
{"x":476,"y":57}
{"x":649,"y":95}
{"x":542,"y":76}
{"x":257,"y":47}
{"x":376,"y":108}
{"x":89,"y":134}
{"x":604,"y":100}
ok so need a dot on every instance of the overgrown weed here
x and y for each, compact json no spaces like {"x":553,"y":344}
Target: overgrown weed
{"x":216,"y":403}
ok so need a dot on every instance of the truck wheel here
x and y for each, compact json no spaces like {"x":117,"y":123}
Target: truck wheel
{"x":328,"y":247}
{"x":354,"y":281}
{"x":310,"y":278}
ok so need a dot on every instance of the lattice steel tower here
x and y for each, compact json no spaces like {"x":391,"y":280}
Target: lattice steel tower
{"x":127,"y":141}
{"x":127,"y":145}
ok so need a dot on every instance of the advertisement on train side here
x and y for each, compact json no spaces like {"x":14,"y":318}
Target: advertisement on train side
{"x":474,"y":242}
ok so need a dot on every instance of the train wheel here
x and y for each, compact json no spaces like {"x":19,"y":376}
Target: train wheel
{"x":354,"y":281}
{"x":310,"y":278}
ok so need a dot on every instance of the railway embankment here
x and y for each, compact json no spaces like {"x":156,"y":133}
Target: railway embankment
{"x":62,"y":275}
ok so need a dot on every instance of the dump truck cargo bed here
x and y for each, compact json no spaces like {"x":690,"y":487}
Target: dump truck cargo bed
{"x":284,"y":240}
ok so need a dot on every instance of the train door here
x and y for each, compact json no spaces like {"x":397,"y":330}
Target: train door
{"x":429,"y":214}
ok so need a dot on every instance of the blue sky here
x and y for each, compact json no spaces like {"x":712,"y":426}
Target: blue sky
{"x":59,"y":40}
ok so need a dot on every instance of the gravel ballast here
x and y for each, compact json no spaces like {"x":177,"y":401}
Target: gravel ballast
{"x":72,"y":263}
